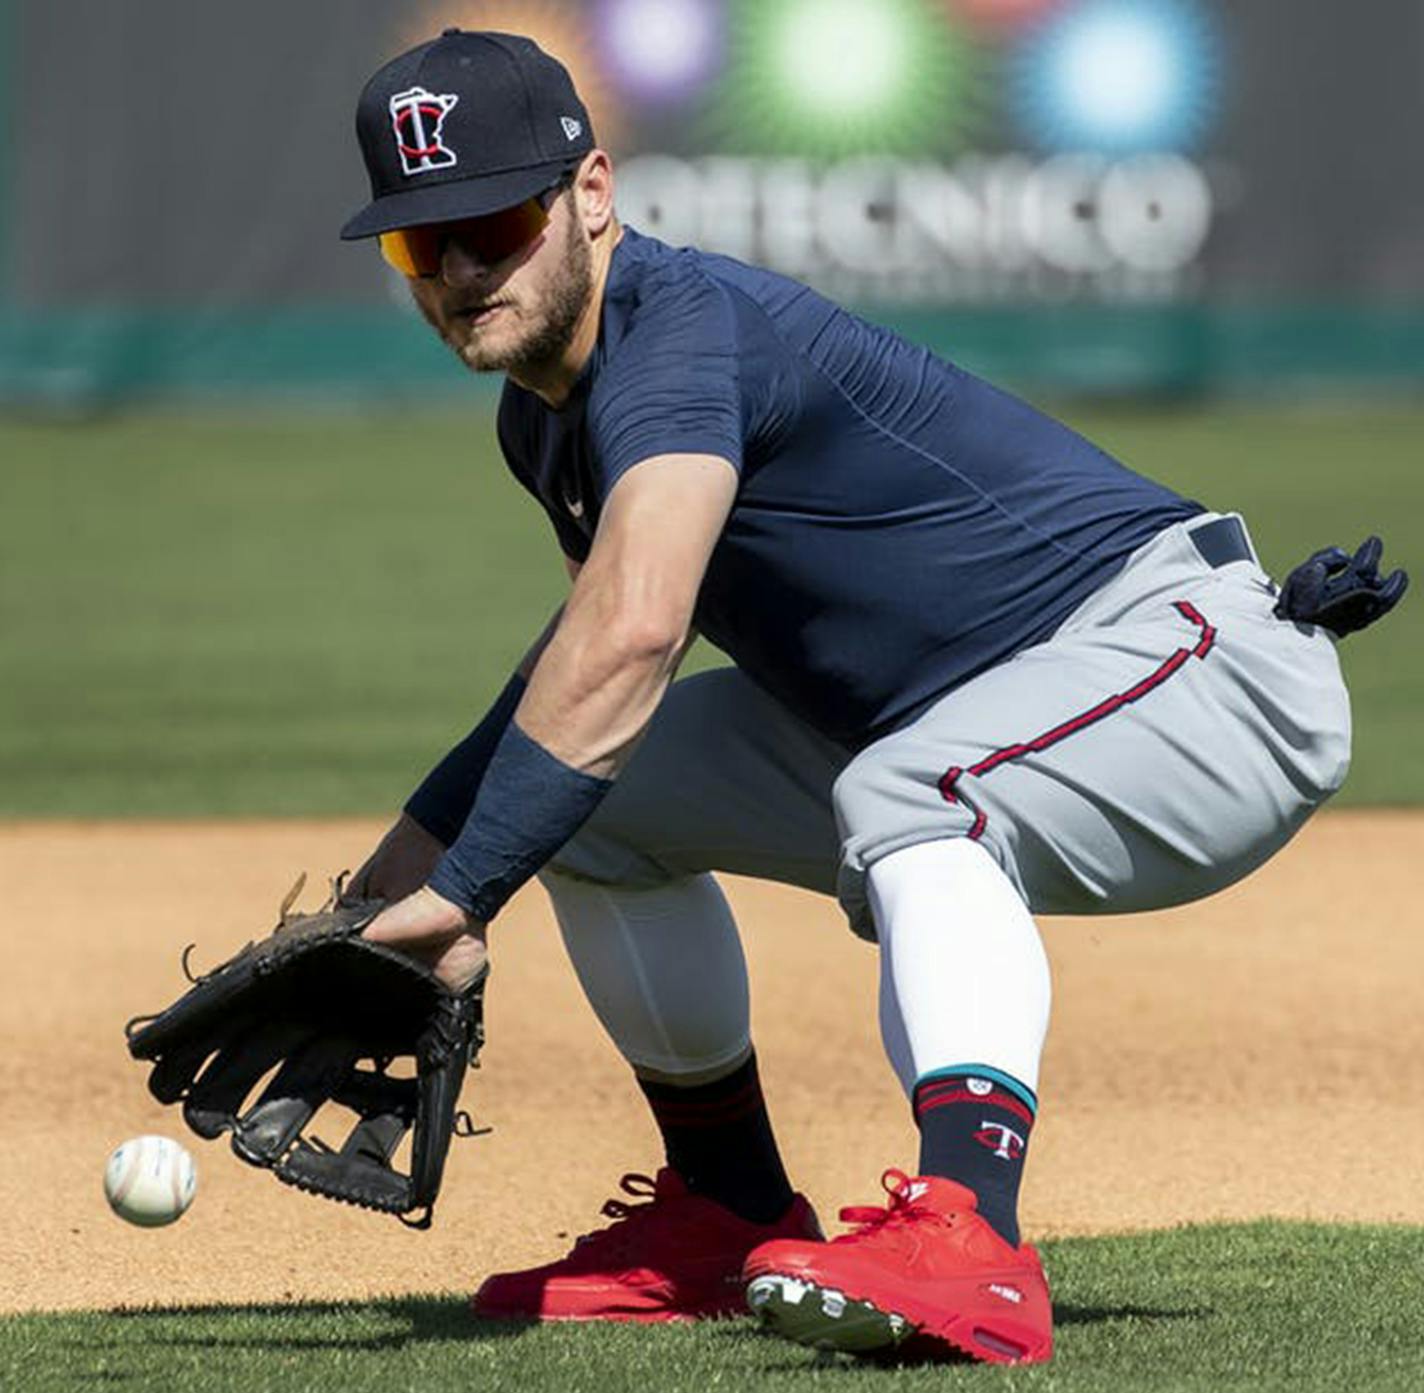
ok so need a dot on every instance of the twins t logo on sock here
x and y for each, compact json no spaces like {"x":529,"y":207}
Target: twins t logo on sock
{"x":1003,"y":1141}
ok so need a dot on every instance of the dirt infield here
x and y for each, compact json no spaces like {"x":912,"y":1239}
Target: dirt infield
{"x":1260,"y":1053}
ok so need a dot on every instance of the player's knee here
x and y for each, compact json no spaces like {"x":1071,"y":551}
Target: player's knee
{"x":885,"y":799}
{"x":859,"y":786}
{"x":603,"y":860}
{"x":887,"y":786}
{"x":581,"y":901}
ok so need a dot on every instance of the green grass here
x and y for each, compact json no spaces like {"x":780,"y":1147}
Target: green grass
{"x":282,"y":613}
{"x":1258,"y":1307}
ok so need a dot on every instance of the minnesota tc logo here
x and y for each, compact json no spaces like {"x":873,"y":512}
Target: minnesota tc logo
{"x":416,"y":118}
{"x":1003,"y":1141}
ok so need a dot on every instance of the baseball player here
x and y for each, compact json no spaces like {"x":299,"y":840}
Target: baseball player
{"x":981,"y":670}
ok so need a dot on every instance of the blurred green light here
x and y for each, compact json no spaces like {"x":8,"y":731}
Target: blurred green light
{"x":839,"y":77}
{"x":841,"y":56}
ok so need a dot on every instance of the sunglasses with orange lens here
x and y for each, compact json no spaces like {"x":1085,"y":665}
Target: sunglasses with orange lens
{"x":417,"y":252}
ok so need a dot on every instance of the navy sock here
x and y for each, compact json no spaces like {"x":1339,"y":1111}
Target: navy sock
{"x":974,"y":1128}
{"x":719,"y":1139}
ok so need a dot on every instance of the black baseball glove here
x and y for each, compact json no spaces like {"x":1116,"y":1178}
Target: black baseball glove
{"x":1341,"y":592}
{"x":317,"y":999}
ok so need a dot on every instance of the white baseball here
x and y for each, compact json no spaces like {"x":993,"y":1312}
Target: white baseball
{"x":150,"y":1181}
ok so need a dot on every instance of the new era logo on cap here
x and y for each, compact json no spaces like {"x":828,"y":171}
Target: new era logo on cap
{"x":416,"y":118}
{"x":572,"y":129}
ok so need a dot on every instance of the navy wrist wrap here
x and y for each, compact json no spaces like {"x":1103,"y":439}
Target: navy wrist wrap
{"x":443,"y":801}
{"x":530,"y":803}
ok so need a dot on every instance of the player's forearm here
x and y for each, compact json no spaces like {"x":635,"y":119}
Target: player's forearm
{"x":531,"y":658}
{"x":597,"y":685}
{"x":593,"y":692}
{"x":614,"y":649}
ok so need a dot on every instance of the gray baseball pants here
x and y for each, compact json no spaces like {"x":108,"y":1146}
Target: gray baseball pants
{"x":1168,"y":738}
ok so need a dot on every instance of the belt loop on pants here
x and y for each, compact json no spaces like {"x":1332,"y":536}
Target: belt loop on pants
{"x":1221,"y":541}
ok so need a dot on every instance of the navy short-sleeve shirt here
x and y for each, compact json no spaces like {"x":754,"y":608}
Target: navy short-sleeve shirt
{"x":899,"y":524}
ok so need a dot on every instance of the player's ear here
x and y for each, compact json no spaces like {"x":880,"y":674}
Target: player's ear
{"x":593,"y":192}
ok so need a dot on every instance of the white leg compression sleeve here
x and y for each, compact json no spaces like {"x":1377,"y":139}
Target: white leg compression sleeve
{"x":662,"y":968}
{"x":963,"y":975}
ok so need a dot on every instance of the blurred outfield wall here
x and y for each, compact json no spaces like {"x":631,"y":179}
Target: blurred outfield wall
{"x":1157,"y":195}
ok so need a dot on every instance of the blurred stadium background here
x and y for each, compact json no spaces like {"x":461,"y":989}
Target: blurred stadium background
{"x":237,"y":481}
{"x":1165,"y":195}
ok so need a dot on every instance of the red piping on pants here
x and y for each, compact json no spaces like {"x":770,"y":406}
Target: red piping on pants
{"x":948,"y":784}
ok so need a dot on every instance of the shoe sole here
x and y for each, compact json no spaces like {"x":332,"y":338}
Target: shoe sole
{"x":823,"y":1317}
{"x":826,"y":1318}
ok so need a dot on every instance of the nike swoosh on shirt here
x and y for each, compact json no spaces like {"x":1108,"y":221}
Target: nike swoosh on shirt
{"x":572,"y":502}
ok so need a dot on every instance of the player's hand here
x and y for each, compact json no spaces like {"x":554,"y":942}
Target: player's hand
{"x":437,"y":932}
{"x":400,"y":865}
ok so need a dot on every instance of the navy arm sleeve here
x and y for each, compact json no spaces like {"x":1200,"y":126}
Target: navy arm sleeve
{"x":446,"y":794}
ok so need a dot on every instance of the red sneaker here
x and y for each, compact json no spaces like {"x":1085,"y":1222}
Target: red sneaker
{"x":926,"y":1267}
{"x":677,"y":1257}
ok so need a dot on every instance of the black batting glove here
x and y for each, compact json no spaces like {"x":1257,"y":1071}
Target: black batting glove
{"x":1341,"y":592}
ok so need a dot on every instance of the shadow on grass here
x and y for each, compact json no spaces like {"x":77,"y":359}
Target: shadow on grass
{"x":915,"y":1354}
{"x":1067,"y":1314}
{"x":426,"y":1319}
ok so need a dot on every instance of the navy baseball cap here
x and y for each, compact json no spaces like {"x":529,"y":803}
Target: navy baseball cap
{"x":467,"y":124}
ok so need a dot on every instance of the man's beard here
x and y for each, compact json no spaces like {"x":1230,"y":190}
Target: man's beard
{"x":545,"y":339}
